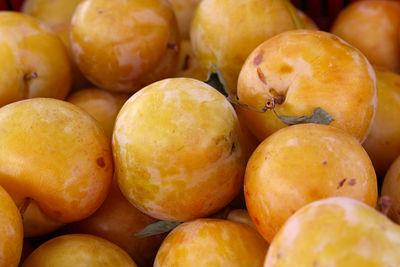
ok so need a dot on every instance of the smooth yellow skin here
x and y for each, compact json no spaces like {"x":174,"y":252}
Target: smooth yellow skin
{"x":212,"y":242}
{"x":178,"y":150}
{"x":309,"y":69}
{"x":391,"y":188}
{"x":337,"y":232}
{"x":188,"y":66}
{"x":78,"y":250}
{"x":52,"y":12}
{"x":28,"y":48}
{"x":124,"y":45}
{"x":101,"y":105}
{"x":219,"y":26}
{"x":300,"y":164}
{"x":184,"y":10}
{"x":383,"y":142}
{"x":242,"y":216}
{"x":55,"y":154}
{"x":11,"y":232}
{"x":373,"y":27}
{"x":117,"y":220}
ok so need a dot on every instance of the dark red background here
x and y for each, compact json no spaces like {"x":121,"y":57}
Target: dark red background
{"x":323,"y":12}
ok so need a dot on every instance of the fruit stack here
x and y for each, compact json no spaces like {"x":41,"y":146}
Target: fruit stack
{"x":199,"y":133}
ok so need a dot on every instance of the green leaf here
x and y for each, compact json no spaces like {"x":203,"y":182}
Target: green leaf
{"x":156,"y":228}
{"x":319,"y":116}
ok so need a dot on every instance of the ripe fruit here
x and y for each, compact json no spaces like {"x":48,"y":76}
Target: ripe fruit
{"x":124,"y":45}
{"x":212,"y":242}
{"x":383,"y":142}
{"x":300,"y":164}
{"x":219,"y":26}
{"x":391,"y":188}
{"x":117,"y":220}
{"x":78,"y":250}
{"x":34,"y":62}
{"x":336,"y":231}
{"x":54,"y":155}
{"x":11,"y":232}
{"x":57,"y":14}
{"x":373,"y":27}
{"x":178,"y":150}
{"x":101,"y":105}
{"x":301,"y":70}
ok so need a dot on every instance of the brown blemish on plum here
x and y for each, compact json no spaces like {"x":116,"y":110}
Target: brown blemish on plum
{"x":173,"y":47}
{"x":278,"y":256}
{"x":261,"y":75}
{"x":100,"y":162}
{"x":315,"y":263}
{"x":186,"y":63}
{"x":258,"y":59}
{"x":341,"y":183}
{"x":286,"y":69}
{"x":352,"y":182}
{"x":324,"y":162}
{"x":233,"y":147}
{"x":387,"y":143}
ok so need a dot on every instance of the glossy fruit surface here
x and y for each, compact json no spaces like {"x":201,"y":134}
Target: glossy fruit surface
{"x":212,"y":242}
{"x":192,"y":163}
{"x":55,"y":155}
{"x":336,"y":232}
{"x":78,"y":250}
{"x":303,"y":70}
{"x":34,"y":62}
{"x":300,"y":164}
{"x":124,"y":45}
